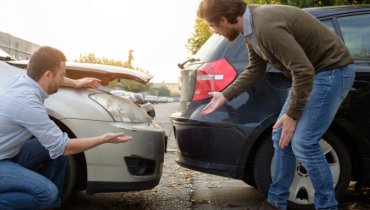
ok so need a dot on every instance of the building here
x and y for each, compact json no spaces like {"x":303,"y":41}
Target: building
{"x":18,"y":48}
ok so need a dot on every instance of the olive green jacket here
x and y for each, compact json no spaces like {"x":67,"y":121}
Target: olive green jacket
{"x":295,"y":42}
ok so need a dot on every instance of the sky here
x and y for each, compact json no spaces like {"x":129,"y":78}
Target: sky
{"x":157,"y":30}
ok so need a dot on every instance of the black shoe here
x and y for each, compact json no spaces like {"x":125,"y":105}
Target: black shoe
{"x":266,"y":206}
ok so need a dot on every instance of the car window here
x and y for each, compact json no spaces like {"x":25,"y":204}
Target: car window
{"x":212,"y":49}
{"x":356,"y":35}
{"x":217,"y":47}
{"x":329,"y":24}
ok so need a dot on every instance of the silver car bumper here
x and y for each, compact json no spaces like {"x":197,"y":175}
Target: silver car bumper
{"x":126,"y":162}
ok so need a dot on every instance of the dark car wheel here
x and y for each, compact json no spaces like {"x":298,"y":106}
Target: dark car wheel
{"x":70,"y":178}
{"x":301,"y":191}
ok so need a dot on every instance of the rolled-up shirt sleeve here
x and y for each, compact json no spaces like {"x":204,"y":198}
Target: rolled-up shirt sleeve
{"x":33,"y":116}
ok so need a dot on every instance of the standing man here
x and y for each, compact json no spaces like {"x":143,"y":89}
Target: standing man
{"x":28,"y":138}
{"x":322,"y":74}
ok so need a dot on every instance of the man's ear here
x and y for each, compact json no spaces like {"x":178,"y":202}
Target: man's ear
{"x":223,"y":20}
{"x":47,"y":75}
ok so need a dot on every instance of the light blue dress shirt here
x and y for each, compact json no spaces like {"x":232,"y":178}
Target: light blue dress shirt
{"x":23,"y":115}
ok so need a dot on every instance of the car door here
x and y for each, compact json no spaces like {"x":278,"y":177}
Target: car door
{"x":354,"y":29}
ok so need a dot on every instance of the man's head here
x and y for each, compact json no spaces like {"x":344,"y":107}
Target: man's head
{"x":223,"y":16}
{"x":47,"y":67}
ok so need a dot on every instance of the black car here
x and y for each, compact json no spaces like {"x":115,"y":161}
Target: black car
{"x":235,"y":141}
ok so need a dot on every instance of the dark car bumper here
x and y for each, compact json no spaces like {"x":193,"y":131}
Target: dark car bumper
{"x":210,"y":147}
{"x":210,"y":167}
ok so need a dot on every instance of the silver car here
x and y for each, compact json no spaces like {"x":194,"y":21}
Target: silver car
{"x":135,"y":165}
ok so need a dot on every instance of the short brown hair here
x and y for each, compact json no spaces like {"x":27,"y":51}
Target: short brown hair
{"x":44,"y":59}
{"x":213,"y":10}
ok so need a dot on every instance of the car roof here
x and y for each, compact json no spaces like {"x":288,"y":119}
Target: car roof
{"x":321,"y":12}
{"x":105,"y":73}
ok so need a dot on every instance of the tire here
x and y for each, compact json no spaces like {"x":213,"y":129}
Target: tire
{"x":339,"y":162}
{"x":70,"y":178}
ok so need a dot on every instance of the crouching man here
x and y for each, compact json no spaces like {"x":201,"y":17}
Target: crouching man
{"x":28,"y":138}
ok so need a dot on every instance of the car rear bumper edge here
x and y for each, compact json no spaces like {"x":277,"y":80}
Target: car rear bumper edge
{"x":210,"y":168}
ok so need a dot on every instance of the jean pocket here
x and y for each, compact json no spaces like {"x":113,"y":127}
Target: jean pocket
{"x":347,"y":84}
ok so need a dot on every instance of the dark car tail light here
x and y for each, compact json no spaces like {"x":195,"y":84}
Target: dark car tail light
{"x":213,"y":76}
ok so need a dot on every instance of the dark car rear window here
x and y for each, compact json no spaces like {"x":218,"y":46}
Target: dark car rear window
{"x":217,"y":47}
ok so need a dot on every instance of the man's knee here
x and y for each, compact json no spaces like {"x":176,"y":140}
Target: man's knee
{"x":304,"y":149}
{"x":48,"y":195}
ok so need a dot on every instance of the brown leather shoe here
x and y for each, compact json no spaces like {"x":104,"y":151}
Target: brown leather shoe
{"x":266,"y":206}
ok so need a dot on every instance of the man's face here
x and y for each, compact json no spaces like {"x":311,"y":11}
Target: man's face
{"x":225,"y":29}
{"x":57,"y":79}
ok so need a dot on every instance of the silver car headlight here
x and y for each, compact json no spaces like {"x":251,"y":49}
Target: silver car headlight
{"x":121,"y":110}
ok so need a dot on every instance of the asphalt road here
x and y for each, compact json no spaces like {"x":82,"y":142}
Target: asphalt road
{"x":181,"y":188}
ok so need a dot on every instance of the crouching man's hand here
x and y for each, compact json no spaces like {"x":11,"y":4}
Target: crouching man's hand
{"x":117,"y":138}
{"x":82,"y":144}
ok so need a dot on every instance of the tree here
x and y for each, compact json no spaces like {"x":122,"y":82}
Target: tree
{"x":200,"y":36}
{"x":164,"y":91}
{"x":124,"y":84}
{"x":91,"y":58}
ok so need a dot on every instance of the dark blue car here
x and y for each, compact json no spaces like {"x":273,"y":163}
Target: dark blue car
{"x":235,"y":141}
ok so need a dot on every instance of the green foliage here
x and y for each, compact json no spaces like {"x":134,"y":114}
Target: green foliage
{"x":164,"y":91}
{"x":151,"y":90}
{"x":124,"y":84}
{"x":319,"y":3}
{"x":200,"y":36}
{"x":261,"y":1}
{"x":175,"y":94}
{"x":91,"y":58}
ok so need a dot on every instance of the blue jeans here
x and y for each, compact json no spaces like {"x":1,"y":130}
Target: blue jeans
{"x":23,"y":188}
{"x":329,"y":90}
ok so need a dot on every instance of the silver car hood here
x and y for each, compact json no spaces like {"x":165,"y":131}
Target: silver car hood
{"x":67,"y":103}
{"x":105,"y":73}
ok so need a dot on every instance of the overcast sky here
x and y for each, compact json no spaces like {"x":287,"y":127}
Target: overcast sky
{"x":157,"y":30}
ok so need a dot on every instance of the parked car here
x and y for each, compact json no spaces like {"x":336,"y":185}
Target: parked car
{"x":123,"y":94}
{"x":235,"y":141}
{"x":162,"y":99}
{"x":139,"y":98}
{"x":135,"y":165}
{"x":151,"y":99}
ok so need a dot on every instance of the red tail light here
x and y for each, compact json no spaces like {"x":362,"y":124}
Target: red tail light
{"x":213,"y":76}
